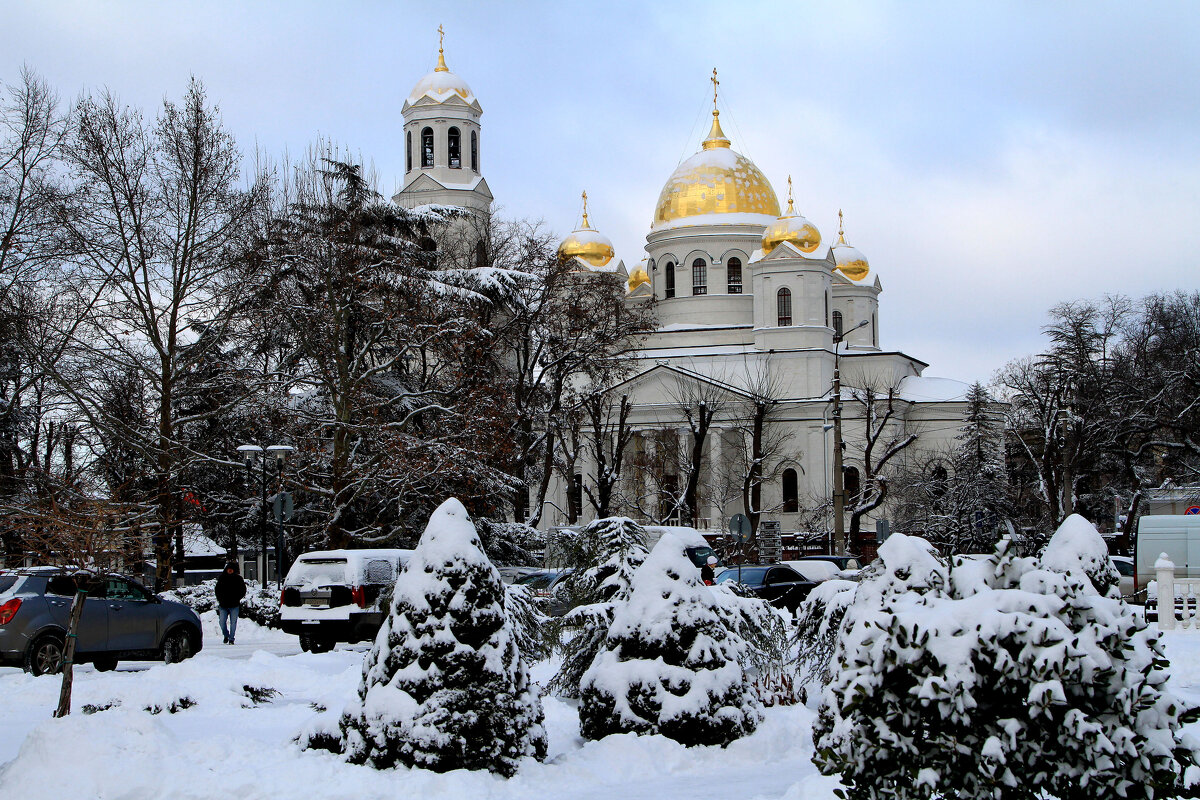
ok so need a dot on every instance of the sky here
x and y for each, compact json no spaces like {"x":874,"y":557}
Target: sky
{"x":992,"y":159}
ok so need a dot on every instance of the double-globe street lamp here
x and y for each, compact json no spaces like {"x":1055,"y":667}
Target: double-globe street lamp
{"x":278,"y":453}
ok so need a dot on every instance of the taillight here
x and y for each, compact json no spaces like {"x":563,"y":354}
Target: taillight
{"x":282,"y":594}
{"x":9,"y":610}
{"x":358,"y":595}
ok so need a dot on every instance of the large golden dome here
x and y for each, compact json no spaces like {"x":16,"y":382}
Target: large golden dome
{"x":791,"y":227}
{"x":587,"y":243}
{"x":850,"y":262}
{"x":716,"y":180}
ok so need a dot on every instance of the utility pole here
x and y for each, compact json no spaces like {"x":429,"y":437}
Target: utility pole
{"x":839,"y":492}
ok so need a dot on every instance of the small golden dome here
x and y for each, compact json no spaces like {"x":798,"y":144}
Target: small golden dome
{"x":791,"y":227}
{"x":639,"y":276}
{"x":587,"y":243}
{"x":852,"y":263}
{"x":715,"y":180}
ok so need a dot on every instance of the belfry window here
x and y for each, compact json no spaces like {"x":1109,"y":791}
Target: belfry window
{"x":783,"y":305}
{"x":408,"y":152}
{"x":454,"y":148}
{"x":669,"y":272}
{"x":733,"y":268}
{"x":699,"y":277}
{"x":426,"y":147}
{"x":837,"y":323}
{"x":791,"y":491}
{"x":474,"y":151}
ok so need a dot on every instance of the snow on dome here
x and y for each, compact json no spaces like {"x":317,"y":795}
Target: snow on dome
{"x":716,"y":181}
{"x":440,"y":87}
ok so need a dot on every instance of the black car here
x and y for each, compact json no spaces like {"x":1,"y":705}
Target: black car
{"x":779,"y":585}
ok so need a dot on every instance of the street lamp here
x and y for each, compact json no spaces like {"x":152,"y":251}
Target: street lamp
{"x":278,"y":453}
{"x":839,"y":493}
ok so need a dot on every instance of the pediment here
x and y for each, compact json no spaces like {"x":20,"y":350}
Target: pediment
{"x":788,"y":251}
{"x":423,"y":183}
{"x":667,"y":385}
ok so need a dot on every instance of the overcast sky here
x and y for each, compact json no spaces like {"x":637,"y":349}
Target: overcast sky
{"x":992,"y":159}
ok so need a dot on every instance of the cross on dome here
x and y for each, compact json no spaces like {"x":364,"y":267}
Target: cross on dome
{"x":585,"y":217}
{"x":441,"y":67}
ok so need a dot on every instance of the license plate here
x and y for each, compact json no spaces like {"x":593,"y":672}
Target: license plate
{"x":310,"y":622}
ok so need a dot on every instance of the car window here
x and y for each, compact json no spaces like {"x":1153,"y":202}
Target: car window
{"x":121,"y":589}
{"x":6,"y":582}
{"x":782,"y":575}
{"x":1125,"y":568}
{"x":63,"y":585}
{"x":379,"y":571}
{"x":752,"y":576}
{"x":317,"y":572}
{"x":537,"y":581}
{"x":699,"y":555}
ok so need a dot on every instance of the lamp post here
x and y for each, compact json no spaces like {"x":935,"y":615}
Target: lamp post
{"x":250,"y":454}
{"x":839,"y":493}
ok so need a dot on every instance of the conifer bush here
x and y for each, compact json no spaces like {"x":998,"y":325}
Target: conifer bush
{"x":669,"y":665}
{"x":444,"y":686}
{"x":1002,"y":678}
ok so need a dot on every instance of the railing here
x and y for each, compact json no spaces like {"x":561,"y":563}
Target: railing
{"x":1175,"y":595}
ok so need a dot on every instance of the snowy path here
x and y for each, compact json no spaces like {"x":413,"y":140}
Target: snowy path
{"x":224,"y":744}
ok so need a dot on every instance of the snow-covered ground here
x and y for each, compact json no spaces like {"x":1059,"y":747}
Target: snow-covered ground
{"x":225,"y":744}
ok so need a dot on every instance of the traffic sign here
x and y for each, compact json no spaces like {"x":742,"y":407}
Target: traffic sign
{"x":283,"y":506}
{"x":739,"y":526}
{"x":1192,"y":510}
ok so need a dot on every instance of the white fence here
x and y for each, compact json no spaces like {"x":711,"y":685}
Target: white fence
{"x":1176,"y":596}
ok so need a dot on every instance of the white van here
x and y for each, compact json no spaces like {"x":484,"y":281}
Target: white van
{"x":332,"y":596}
{"x":1177,"y":535}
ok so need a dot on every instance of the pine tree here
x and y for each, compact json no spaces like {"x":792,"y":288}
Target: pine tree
{"x":610,"y":552}
{"x":669,"y":665}
{"x":445,"y":687}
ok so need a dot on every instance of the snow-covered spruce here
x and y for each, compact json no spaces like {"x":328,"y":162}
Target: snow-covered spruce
{"x":818,"y":625}
{"x":608,"y":552}
{"x":444,"y":686}
{"x":669,"y":665}
{"x":1000,"y":678}
{"x":528,"y":623}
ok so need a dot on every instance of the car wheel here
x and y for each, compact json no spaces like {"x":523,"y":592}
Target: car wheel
{"x":45,"y":656}
{"x":176,"y":647}
{"x":104,"y":663}
{"x":306,"y":643}
{"x":321,"y":645}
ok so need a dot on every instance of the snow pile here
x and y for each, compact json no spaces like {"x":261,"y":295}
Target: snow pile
{"x":668,"y":665}
{"x":444,"y":686}
{"x":1007,"y":679}
{"x":1078,"y":549}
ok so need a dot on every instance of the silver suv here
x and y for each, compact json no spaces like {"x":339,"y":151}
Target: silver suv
{"x":122,"y":620}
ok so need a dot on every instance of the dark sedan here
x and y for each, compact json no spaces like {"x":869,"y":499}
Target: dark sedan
{"x":779,"y":585}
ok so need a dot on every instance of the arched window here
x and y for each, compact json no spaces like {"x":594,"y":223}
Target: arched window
{"x":699,"y":277}
{"x":669,"y":270}
{"x":481,"y":259}
{"x":874,"y":331}
{"x":474,"y":151}
{"x":783,"y":306}
{"x":791,"y":491}
{"x":426,"y":147}
{"x":454,"y":148}
{"x":575,"y":501}
{"x":827,"y":308}
{"x":852,"y":485}
{"x":837,"y":323}
{"x":408,"y":152}
{"x":733,"y":267}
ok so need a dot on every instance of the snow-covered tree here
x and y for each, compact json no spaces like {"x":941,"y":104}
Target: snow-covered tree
{"x":818,"y":623}
{"x":609,"y":552}
{"x":1002,"y":678}
{"x":444,"y":686}
{"x":669,"y":665}
{"x":528,"y":621}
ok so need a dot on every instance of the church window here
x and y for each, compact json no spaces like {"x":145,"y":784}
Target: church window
{"x":474,"y":151}
{"x":783,"y":306}
{"x":827,"y":308}
{"x":874,"y":331}
{"x":734,"y":271}
{"x":670,"y":275}
{"x":791,"y":492}
{"x":575,"y":501}
{"x":852,"y":485}
{"x":837,"y":323}
{"x":699,"y":277}
{"x":427,"y":147}
{"x":454,"y":148}
{"x":408,"y":152}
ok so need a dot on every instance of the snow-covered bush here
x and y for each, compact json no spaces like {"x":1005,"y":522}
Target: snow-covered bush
{"x":818,"y":622}
{"x":528,"y":623}
{"x":510,"y":543}
{"x":669,"y":665}
{"x":259,"y":605}
{"x":608,"y":552}
{"x":763,"y":628}
{"x":444,"y":687}
{"x":1002,"y":678}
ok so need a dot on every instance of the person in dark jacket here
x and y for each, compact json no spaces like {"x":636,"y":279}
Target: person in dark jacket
{"x":230,"y":591}
{"x":708,"y":570}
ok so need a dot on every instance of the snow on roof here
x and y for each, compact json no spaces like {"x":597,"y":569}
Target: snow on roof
{"x":197,"y":544}
{"x":916,"y":389}
{"x":731,"y":218}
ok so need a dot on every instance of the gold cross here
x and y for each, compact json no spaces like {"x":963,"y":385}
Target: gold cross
{"x":441,"y":38}
{"x":840,"y":228}
{"x":715,"y":83}
{"x":789,"y":190}
{"x":585,"y":219}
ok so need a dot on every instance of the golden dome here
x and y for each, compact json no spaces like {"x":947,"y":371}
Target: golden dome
{"x":441,"y":84}
{"x":791,"y":227}
{"x":715,"y":180}
{"x":587,"y":243}
{"x":639,"y":276}
{"x":852,"y":263}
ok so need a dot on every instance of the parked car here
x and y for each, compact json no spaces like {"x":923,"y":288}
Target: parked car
{"x":843,"y":562}
{"x":332,"y":596}
{"x":122,"y":621}
{"x":544,"y":586}
{"x":778,"y":584}
{"x":816,"y":571}
{"x":1125,"y":566}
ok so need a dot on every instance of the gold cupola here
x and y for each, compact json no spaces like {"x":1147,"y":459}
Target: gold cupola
{"x":716,"y":186}
{"x":587,"y":243}
{"x":850,"y":262}
{"x":791,"y":227}
{"x":442,"y":85}
{"x":639,"y":276}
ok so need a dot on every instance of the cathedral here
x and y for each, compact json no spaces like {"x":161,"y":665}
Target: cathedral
{"x":755,"y":309}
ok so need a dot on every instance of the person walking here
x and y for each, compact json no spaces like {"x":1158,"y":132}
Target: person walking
{"x":231,"y":588}
{"x":708,"y":571}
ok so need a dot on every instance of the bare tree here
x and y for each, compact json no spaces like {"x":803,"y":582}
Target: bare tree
{"x":883,"y":432}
